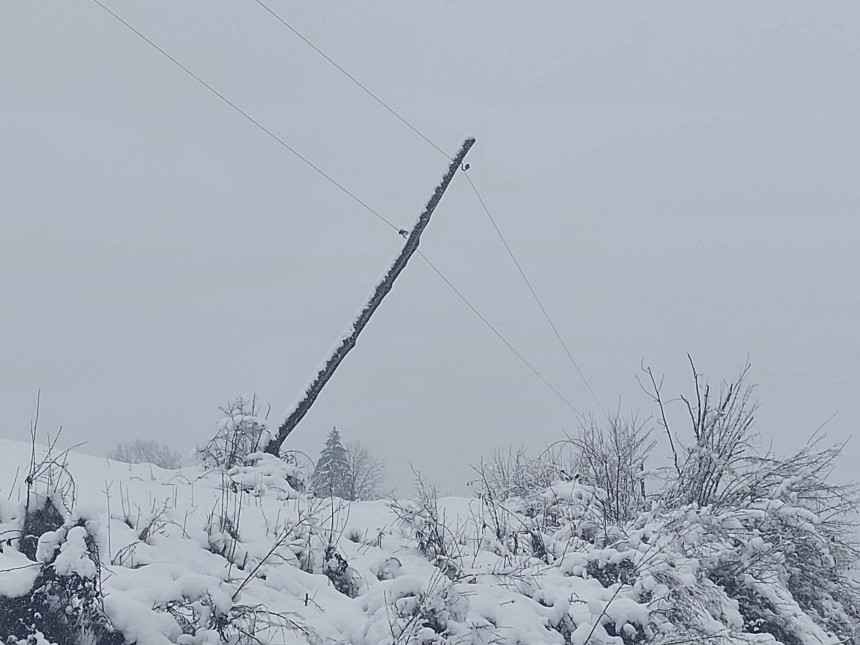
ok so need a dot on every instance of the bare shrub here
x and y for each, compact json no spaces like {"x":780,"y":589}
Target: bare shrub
{"x":515,"y":473}
{"x":427,"y":523}
{"x":146,"y":451}
{"x":526,"y":498}
{"x":366,"y":473}
{"x":50,"y":490}
{"x":613,"y":459}
{"x":241,"y":432}
{"x":223,"y":523}
{"x":721,"y":425}
{"x":764,"y":518}
{"x":729,"y":543}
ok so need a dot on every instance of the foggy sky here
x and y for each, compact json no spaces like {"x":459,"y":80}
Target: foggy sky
{"x":673,"y":178}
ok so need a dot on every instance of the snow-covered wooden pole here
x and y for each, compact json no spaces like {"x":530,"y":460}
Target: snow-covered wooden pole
{"x":302,"y":407}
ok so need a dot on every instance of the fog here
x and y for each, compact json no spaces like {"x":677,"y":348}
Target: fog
{"x":673,"y":180}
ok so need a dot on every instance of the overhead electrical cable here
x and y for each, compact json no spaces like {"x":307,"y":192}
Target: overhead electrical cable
{"x":532,"y":290}
{"x":498,"y":333}
{"x":397,"y":115}
{"x":249,"y":118}
{"x":343,"y":189}
{"x":351,"y":77}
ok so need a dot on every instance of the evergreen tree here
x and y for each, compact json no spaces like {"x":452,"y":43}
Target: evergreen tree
{"x":331,"y":475}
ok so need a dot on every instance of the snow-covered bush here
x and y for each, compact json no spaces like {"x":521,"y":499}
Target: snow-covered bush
{"x":573,"y":553}
{"x":263,"y":474}
{"x":514,"y":473}
{"x":723,"y":543}
{"x":612,"y":458}
{"x":57,"y":596}
{"x":417,"y":612}
{"x":790,"y":529}
{"x":214,"y":619}
{"x":65,"y":603}
{"x":337,"y":569}
{"x":241,"y":432}
{"x":773,"y":532}
{"x":423,"y":517}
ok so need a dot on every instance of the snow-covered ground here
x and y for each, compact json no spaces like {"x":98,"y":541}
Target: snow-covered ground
{"x":195,"y":556}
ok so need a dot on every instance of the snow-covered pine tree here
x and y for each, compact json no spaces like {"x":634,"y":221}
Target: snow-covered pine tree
{"x":331,"y":474}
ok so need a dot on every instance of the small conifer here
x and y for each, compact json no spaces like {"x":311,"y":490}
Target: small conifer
{"x":331,"y":474}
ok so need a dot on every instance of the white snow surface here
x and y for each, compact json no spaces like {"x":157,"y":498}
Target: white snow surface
{"x":205,"y":543}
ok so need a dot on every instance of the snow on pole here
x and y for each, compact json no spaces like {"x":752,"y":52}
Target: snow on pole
{"x":382,"y":289}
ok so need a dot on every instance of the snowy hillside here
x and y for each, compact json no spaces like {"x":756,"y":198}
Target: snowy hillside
{"x":107,"y":552}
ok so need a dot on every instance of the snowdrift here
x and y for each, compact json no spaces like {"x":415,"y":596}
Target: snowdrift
{"x":95,"y":551}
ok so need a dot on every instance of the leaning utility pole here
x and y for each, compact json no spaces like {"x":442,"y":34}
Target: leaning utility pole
{"x":302,"y":407}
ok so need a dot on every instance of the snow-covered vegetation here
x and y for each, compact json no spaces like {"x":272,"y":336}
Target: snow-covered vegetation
{"x":586,"y":543}
{"x":351,"y":472}
{"x":146,"y":451}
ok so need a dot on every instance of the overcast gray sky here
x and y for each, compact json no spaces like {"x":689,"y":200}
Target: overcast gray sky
{"x":673,"y":178}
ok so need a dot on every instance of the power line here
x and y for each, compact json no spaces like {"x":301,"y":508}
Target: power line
{"x":498,"y":333}
{"x":477,"y":194}
{"x":248,"y":117}
{"x":480,"y":199}
{"x":532,"y":290}
{"x":351,"y":77}
{"x":285,"y":145}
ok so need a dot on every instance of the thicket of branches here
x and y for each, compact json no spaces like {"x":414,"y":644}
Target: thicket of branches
{"x":774,"y":533}
{"x":366,"y":472}
{"x":146,"y":451}
{"x":241,"y":432}
{"x":612,"y":457}
{"x":721,"y":543}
